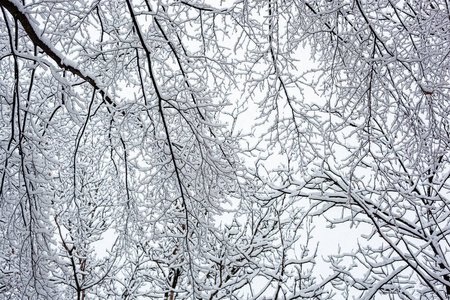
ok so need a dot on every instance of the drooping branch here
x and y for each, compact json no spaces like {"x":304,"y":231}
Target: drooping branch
{"x":18,"y":12}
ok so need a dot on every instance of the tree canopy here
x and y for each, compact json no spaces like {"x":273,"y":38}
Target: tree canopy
{"x":131,"y":166}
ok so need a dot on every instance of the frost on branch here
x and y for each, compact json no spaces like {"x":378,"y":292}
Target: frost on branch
{"x":127,"y":130}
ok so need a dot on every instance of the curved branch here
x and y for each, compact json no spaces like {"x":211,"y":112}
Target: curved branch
{"x":18,"y":12}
